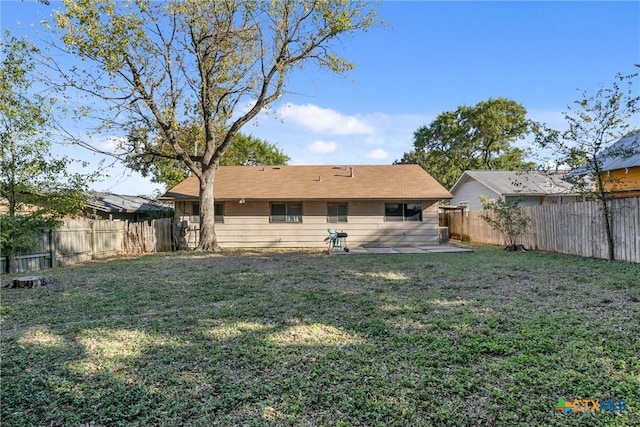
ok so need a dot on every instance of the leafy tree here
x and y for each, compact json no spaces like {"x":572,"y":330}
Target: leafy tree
{"x":37,"y":188}
{"x":245,"y":150}
{"x":477,"y":137}
{"x":596,"y":122}
{"x":506,"y":217}
{"x":214,"y":63}
{"x":248,"y":150}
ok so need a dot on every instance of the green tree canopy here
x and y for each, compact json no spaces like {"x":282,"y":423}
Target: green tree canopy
{"x":246,"y":150}
{"x":38,"y":189}
{"x":477,"y":137}
{"x":216,"y":63}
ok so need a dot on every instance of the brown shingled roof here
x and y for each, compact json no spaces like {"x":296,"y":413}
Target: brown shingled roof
{"x":400,"y":182}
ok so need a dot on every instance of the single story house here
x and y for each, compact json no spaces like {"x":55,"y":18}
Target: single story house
{"x":530,"y":188}
{"x":621,"y":164}
{"x":293,"y":206}
{"x":132,"y":208}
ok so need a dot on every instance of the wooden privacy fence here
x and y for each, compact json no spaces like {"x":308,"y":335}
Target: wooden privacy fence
{"x":572,"y":228}
{"x":81,"y":240}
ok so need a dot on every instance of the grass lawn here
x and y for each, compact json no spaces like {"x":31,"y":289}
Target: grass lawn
{"x":281,"y":338}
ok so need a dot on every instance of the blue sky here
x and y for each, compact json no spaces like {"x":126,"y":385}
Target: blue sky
{"x":429,"y":58}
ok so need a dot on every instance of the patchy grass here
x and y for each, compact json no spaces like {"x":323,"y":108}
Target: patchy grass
{"x":283,"y":338}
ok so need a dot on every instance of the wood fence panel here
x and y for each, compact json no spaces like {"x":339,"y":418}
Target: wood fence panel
{"x":73,"y":242}
{"x":454,"y":221}
{"x":81,"y":240}
{"x":599,"y":232}
{"x":583,"y":214}
{"x":478,"y":232}
{"x":108,"y":238}
{"x":529,"y":241}
{"x":619,"y":240}
{"x":629,"y":246}
{"x":163,"y":229}
{"x":626,"y":220}
{"x":633,"y":224}
{"x":39,"y":259}
{"x":32,"y":262}
{"x":148,"y":237}
{"x":562,"y":230}
{"x":591,"y":242}
{"x":579,"y":212}
{"x":572,"y":228}
{"x":636,"y":224}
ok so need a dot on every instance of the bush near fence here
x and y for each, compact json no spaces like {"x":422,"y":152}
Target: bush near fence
{"x":81,"y":240}
{"x":572,"y":228}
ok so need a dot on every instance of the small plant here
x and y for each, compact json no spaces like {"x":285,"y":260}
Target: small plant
{"x":507,"y":218}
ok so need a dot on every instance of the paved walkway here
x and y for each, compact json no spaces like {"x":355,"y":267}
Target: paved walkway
{"x":411,"y":250}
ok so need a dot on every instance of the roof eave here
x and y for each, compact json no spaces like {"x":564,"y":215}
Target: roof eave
{"x":186,"y":198}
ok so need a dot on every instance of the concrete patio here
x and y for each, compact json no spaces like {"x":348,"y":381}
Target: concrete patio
{"x":405,"y":250}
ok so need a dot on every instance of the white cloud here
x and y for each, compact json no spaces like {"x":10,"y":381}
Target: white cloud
{"x":391,"y":133}
{"x":324,"y":120}
{"x":322,"y":147}
{"x":378,"y":154}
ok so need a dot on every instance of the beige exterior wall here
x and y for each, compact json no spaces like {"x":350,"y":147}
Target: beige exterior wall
{"x":247,"y":225}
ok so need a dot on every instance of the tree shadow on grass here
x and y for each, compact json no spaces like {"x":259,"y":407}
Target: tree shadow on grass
{"x":249,"y":362}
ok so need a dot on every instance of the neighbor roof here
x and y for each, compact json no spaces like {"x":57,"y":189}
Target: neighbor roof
{"x":624,"y":153}
{"x":512,"y":183}
{"x":107,"y":202}
{"x":398,"y":182}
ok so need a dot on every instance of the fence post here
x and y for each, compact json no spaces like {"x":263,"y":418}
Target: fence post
{"x":52,"y":247}
{"x":126,"y":248}
{"x":93,"y":239}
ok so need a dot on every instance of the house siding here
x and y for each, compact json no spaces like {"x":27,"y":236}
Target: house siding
{"x":247,"y":225}
{"x":524,"y":201}
{"x":621,"y":180}
{"x":470,"y":191}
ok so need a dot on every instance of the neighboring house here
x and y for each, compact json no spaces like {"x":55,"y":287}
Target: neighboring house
{"x":529,"y":188}
{"x":24,"y":210}
{"x":293,"y":206}
{"x":621,"y":164}
{"x":131,"y":208}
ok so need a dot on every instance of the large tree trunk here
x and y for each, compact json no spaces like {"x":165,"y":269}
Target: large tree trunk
{"x":208,"y":239}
